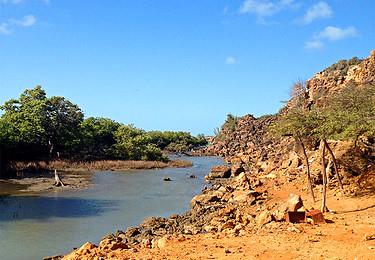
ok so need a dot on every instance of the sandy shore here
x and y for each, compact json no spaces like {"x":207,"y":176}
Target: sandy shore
{"x":45,"y":183}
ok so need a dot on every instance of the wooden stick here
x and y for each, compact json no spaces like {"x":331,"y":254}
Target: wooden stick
{"x":309,"y":182}
{"x":334,"y":164}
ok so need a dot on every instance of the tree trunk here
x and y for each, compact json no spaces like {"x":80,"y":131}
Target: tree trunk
{"x":324,"y":174}
{"x":334,"y":164}
{"x":309,"y":182}
{"x":58,"y":181}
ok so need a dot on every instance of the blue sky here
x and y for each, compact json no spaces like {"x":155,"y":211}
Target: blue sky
{"x":173,"y":64}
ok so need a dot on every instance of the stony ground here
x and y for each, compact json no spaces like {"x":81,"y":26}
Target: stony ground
{"x":349,"y":233}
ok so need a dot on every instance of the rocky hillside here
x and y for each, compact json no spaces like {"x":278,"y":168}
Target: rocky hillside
{"x":247,"y":145}
{"x":341,"y":74}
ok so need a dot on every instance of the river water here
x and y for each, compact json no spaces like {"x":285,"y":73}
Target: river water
{"x":35,"y":226}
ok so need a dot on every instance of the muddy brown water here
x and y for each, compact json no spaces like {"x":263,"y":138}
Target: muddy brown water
{"x":32,"y":227}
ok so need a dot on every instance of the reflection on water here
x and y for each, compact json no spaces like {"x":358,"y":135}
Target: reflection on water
{"x":35,"y":226}
{"x":41,"y":208}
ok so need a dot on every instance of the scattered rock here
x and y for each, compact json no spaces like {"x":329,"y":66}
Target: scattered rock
{"x":369,"y":237}
{"x":162,"y":242}
{"x":119,"y":246}
{"x":264,"y":218}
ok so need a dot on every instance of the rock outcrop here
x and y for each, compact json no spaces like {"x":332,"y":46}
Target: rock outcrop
{"x":247,"y":145}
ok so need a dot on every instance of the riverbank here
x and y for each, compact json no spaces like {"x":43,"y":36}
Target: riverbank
{"x":103,"y":165}
{"x":38,"y":177}
{"x":41,"y":183}
{"x":51,"y":223}
{"x":243,"y":218}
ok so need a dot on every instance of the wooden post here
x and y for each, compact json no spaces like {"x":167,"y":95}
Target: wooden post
{"x":324,"y":175}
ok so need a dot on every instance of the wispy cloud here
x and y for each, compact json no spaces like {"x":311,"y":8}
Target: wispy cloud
{"x":330,"y":33}
{"x":314,"y":44}
{"x":264,"y":8}
{"x":318,"y":11}
{"x":333,"y":33}
{"x":8,"y":26}
{"x":15,"y":2}
{"x":230,"y":60}
{"x":4,"y":28}
{"x":26,"y":21}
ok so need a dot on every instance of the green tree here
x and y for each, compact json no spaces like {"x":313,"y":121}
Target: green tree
{"x":298,"y":122}
{"x":25,"y":119}
{"x":96,"y":137}
{"x":62,"y":123}
{"x":134,"y":144}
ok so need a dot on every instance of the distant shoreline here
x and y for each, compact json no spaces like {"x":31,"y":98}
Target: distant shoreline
{"x":104,"y":165}
{"x":35,"y":177}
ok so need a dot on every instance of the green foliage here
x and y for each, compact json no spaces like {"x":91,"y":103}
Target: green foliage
{"x":343,"y":65}
{"x":63,"y":120}
{"x":348,"y":114}
{"x":345,"y":116}
{"x":96,"y":138}
{"x":230,"y":122}
{"x":176,"y":141}
{"x":25,"y":117}
{"x":227,"y":128}
{"x":35,"y":127}
{"x":134,"y":144}
{"x":298,"y":123}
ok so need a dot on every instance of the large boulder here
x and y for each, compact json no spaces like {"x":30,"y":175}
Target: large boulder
{"x":221,"y":171}
{"x":237,"y":167}
{"x":206,"y":198}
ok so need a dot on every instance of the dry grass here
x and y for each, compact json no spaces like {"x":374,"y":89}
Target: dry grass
{"x":98,"y":165}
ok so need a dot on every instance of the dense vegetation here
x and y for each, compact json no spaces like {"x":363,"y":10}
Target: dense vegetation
{"x":37,"y":127}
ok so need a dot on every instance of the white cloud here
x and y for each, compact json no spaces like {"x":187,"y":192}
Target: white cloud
{"x":260,"y":8}
{"x":26,"y":21}
{"x":263,"y":8}
{"x":330,"y":33}
{"x":15,"y":2}
{"x":314,"y":44}
{"x":335,"y":33}
{"x":319,"y":10}
{"x":230,"y":60}
{"x":4,"y":28}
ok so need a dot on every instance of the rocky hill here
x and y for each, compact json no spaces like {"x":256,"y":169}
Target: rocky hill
{"x":247,"y":145}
